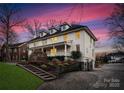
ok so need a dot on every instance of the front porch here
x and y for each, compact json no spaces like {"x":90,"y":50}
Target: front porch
{"x":56,"y":49}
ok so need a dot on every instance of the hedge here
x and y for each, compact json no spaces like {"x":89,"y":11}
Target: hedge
{"x":61,"y":58}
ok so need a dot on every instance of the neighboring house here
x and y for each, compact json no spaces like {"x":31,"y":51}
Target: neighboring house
{"x":61,"y":40}
{"x":18,"y":52}
{"x":115,"y":57}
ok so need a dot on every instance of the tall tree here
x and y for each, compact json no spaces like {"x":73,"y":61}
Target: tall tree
{"x":36,"y":26}
{"x":53,"y":22}
{"x":9,"y":19}
{"x":116,"y":25}
{"x":33,"y":28}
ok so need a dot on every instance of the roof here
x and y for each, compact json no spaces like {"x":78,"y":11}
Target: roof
{"x":65,"y":23}
{"x":17,"y":44}
{"x":116,"y":54}
{"x":73,"y":28}
{"x":14,"y":45}
{"x":44,"y":30}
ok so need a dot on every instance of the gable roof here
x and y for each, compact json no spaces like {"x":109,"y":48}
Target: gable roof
{"x":73,"y":28}
{"x":13,"y":45}
{"x":17,"y":45}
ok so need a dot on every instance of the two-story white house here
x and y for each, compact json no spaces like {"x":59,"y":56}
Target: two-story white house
{"x":60,"y":41}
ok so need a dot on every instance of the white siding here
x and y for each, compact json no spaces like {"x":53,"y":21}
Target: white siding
{"x":31,"y":45}
{"x":89,"y":46}
{"x":85,"y":41}
{"x":38,"y":43}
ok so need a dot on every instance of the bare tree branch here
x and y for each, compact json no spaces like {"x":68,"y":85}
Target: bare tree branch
{"x":9,"y":19}
{"x":116,"y":25}
{"x":33,"y":28}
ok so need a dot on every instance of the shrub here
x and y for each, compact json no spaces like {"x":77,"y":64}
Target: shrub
{"x":50,"y":63}
{"x":43,"y":66}
{"x":76,"y":54}
{"x":60,"y":64}
{"x":61,"y":58}
{"x":66,"y":63}
{"x":55,"y":60}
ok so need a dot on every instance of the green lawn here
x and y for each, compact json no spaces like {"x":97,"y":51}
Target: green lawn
{"x":16,"y":78}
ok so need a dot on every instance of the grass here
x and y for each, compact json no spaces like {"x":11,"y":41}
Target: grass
{"x":16,"y":78}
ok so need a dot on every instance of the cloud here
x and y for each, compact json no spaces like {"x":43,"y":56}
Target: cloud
{"x":91,"y":15}
{"x":74,"y":12}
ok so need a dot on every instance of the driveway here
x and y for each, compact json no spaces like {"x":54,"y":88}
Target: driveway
{"x":110,"y":76}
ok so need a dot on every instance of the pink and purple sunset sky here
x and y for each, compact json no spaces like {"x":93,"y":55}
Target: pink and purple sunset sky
{"x":91,"y":15}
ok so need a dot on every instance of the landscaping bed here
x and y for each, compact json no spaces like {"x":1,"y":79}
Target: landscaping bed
{"x":58,"y":67}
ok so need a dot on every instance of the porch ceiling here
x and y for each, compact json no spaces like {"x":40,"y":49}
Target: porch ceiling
{"x":57,"y":45}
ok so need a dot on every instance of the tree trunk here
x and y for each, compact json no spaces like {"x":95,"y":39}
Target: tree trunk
{"x":7,"y":41}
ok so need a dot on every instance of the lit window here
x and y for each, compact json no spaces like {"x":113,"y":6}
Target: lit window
{"x":77,"y":34}
{"x":53,"y":51}
{"x":65,"y":37}
{"x":54,"y":39}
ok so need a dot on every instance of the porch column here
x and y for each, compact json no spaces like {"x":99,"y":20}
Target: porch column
{"x":42,"y":49}
{"x":54,"y":53}
{"x":65,"y":51}
{"x":19,"y":59}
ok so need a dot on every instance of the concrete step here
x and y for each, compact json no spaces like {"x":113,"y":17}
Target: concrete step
{"x":46,"y":76}
{"x":50,"y":78}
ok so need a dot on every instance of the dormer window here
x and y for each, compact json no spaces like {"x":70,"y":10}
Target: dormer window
{"x":42,"y":34}
{"x":65,"y":27}
{"x":52,"y":31}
